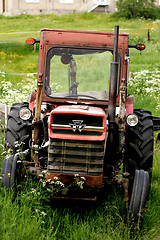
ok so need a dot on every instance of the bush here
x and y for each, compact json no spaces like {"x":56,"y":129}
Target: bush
{"x":135,"y":9}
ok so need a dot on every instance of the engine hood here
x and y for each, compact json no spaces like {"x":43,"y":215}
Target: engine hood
{"x":78,"y":122}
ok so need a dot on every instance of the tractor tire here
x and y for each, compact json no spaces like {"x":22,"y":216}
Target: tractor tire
{"x":17,"y":130}
{"x":9,"y":174}
{"x":139,"y":194}
{"x":139,"y":145}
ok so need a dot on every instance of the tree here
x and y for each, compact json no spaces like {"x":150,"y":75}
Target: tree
{"x":136,"y":8}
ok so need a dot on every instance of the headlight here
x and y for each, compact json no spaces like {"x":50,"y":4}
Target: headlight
{"x":132,"y":120}
{"x":25,"y":113}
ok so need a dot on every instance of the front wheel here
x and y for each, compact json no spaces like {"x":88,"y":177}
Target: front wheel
{"x":10,"y":173}
{"x":139,"y":194}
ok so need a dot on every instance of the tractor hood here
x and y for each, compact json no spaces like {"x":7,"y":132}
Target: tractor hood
{"x":78,"y":122}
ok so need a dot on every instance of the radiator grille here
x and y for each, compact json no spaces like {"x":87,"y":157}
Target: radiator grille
{"x":91,"y":125}
{"x":83,"y":157}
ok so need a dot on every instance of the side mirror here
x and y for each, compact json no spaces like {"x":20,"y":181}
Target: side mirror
{"x":66,"y":58}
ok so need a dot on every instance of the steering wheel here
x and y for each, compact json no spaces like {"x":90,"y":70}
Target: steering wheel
{"x":81,"y":95}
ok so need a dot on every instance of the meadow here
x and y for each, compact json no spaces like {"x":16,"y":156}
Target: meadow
{"x":31,"y":214}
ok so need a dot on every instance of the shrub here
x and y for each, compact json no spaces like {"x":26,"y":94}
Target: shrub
{"x":137,"y":8}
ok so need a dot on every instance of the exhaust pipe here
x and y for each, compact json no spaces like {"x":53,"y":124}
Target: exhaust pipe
{"x":113,"y":79}
{"x":112,"y":137}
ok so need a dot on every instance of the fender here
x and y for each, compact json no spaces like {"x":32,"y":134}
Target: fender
{"x":129,"y":104}
{"x":32,"y":100}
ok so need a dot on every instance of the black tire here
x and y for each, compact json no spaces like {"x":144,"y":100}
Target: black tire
{"x":139,"y":194}
{"x":17,"y":129}
{"x":139,"y":144}
{"x":9,"y":175}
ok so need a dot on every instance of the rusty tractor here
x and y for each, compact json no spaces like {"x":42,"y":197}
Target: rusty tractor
{"x":80,"y":123}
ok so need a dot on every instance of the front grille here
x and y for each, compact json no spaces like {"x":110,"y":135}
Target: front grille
{"x":82,"y":157}
{"x":87,"y":125}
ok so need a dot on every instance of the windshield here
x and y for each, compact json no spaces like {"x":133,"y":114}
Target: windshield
{"x":78,"y":73}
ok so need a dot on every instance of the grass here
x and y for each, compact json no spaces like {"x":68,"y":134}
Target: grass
{"x":32,"y":215}
{"x":18,"y":58}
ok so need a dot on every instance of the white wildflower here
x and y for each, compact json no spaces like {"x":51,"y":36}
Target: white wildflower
{"x":49,"y":190}
{"x":43,"y":184}
{"x":55,"y":178}
{"x":76,"y":175}
{"x":40,"y":175}
{"x":43,"y":213}
{"x":83,"y":178}
{"x":48,"y":180}
{"x":59,"y":183}
{"x":52,"y":182}
{"x":33,"y":190}
{"x":80,"y":184}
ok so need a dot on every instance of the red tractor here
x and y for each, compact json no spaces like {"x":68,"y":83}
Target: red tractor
{"x":80,"y":122}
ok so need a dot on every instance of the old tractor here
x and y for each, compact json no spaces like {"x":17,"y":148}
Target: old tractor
{"x":80,"y":122}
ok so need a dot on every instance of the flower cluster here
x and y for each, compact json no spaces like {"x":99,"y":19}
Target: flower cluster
{"x":53,"y":187}
{"x":146,"y":83}
{"x":56,"y":186}
{"x":55,"y":183}
{"x":34,"y":191}
{"x":6,"y":152}
{"x":20,"y":152}
{"x":7,"y":55}
{"x":10,"y":93}
{"x":36,"y":148}
{"x":38,"y":213}
{"x":79,"y":181}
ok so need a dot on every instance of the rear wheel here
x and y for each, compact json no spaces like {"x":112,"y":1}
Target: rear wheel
{"x":17,"y":130}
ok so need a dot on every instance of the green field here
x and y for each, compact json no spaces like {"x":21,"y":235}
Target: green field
{"x":32,"y":215}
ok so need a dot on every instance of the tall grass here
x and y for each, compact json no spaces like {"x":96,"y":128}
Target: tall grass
{"x":32,"y":214}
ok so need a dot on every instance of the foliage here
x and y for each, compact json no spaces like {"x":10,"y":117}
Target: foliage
{"x":11,"y":94}
{"x":146,"y":84}
{"x":137,"y":8}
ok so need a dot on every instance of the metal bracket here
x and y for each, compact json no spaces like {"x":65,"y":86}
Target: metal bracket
{"x":127,"y":59}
